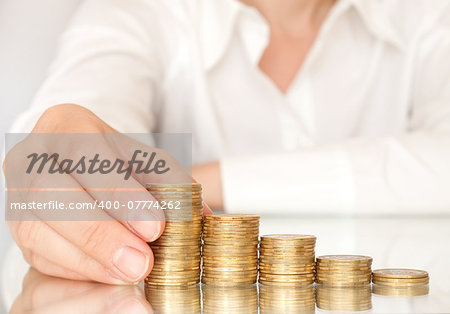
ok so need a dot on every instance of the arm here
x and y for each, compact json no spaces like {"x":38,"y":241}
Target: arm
{"x":104,"y":80}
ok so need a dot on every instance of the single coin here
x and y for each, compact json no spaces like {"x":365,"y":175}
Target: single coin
{"x":344,"y":258}
{"x":400,"y":284}
{"x":174,"y":185}
{"x":412,"y":280}
{"x":299,"y":260}
{"x":400,"y":273}
{"x":349,"y":269}
{"x":288,"y":236}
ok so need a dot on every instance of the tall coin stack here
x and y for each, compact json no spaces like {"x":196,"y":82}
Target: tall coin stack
{"x":344,"y":270}
{"x":177,"y":252}
{"x":230,"y":249}
{"x":400,"y":277}
{"x":287,"y":259}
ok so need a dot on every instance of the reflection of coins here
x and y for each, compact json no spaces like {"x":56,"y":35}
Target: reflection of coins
{"x":282,"y":299}
{"x":164,"y":299}
{"x":400,"y":277}
{"x":177,"y":253}
{"x":344,"y":270}
{"x":240,"y":299}
{"x":287,"y":259}
{"x":230,"y":249}
{"x":346,"y":299}
{"x":400,"y":291}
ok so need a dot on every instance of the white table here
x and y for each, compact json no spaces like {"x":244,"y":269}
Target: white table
{"x":422,"y":243}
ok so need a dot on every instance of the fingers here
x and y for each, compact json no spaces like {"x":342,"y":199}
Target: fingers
{"x":122,"y":253}
{"x":49,"y":268}
{"x":116,"y":187}
{"x":51,"y":254}
{"x":111,"y":244}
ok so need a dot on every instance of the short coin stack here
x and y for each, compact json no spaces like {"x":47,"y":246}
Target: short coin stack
{"x":278,"y":299}
{"x":230,"y":249}
{"x":344,"y":299}
{"x":177,"y":251}
{"x":287,"y":259}
{"x":400,"y":277}
{"x":344,"y":270}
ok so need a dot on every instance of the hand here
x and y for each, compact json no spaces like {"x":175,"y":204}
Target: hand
{"x":102,"y":248}
{"x":45,"y":294}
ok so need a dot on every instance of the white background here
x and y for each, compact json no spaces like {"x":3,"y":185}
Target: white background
{"x":29,"y":30}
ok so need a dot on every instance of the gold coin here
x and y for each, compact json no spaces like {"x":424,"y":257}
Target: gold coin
{"x":232,"y":217}
{"x":288,"y":238}
{"x":286,"y":265}
{"x":400,"y":284}
{"x":413,"y":280}
{"x":231,"y":226}
{"x":286,"y":250}
{"x":398,"y":273}
{"x":214,"y":282}
{"x":343,"y":269}
{"x":344,"y":273}
{"x":238,"y":274}
{"x":336,"y":259}
{"x":183,"y":185}
{"x":285,"y":278}
{"x":228,"y":263}
{"x":299,"y":260}
{"x":183,"y":283}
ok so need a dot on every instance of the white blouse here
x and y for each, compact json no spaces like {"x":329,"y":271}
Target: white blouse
{"x":364,"y":127}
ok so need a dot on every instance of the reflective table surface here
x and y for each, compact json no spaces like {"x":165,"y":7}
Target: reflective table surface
{"x":420,"y":243}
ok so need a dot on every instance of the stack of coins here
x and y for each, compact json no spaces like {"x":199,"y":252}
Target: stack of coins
{"x":230,"y":249}
{"x":344,"y":299}
{"x":344,"y":270}
{"x":238,"y":299}
{"x":399,"y":277}
{"x":279,"y":299}
{"x":167,"y":299}
{"x":177,"y":252}
{"x":287,"y":259}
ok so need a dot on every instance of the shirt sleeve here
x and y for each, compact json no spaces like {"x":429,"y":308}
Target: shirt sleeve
{"x":402,"y":174}
{"x":109,"y":62}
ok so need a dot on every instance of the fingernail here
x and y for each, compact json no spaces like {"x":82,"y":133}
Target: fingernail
{"x":131,"y":263}
{"x":150,"y":230}
{"x":131,"y":305}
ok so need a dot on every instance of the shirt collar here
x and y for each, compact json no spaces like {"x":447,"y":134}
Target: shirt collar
{"x":377,"y":20}
{"x":220,"y":18}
